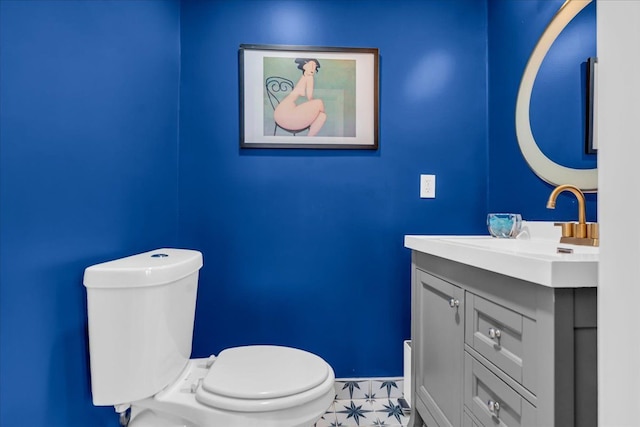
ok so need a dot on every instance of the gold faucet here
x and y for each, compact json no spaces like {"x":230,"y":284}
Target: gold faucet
{"x":579,"y":233}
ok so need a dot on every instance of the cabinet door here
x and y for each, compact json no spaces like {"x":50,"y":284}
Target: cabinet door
{"x":440,"y":340}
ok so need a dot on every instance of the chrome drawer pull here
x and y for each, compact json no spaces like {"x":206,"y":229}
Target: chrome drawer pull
{"x":495,"y":333}
{"x":494,"y":407}
{"x":453,"y":303}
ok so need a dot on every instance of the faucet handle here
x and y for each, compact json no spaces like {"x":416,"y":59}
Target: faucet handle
{"x":567,"y":228}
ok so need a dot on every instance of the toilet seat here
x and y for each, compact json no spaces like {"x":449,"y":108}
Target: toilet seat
{"x":264,"y":378}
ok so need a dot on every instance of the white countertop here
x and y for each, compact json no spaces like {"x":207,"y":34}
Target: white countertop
{"x":532,"y":256}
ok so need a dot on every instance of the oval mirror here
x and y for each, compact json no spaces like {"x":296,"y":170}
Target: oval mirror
{"x":542,"y":166}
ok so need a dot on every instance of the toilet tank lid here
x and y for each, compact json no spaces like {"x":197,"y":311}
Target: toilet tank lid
{"x":152,"y":268}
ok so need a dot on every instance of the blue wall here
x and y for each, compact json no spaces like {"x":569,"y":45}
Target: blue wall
{"x":305,"y":248}
{"x":88,"y":172}
{"x":557,"y":105}
{"x":301,"y":248}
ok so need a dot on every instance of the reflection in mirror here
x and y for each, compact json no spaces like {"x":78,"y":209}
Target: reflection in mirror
{"x":542,"y":166}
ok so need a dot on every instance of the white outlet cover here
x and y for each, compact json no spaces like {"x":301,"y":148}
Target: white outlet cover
{"x":427,"y":186}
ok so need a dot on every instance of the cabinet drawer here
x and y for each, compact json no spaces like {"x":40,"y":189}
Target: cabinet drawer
{"x":491,"y":400}
{"x":503,"y":336}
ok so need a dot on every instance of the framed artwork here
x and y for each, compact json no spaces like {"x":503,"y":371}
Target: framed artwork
{"x":308,"y":97}
{"x":591,"y":140}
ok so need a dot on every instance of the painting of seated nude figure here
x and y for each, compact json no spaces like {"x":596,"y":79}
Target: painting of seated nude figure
{"x":307,"y":97}
{"x":310,"y":113}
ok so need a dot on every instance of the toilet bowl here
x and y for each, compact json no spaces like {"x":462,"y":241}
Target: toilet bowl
{"x":284,"y":387}
{"x":141,"y":311}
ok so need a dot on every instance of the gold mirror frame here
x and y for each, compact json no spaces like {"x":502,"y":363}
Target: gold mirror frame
{"x":542,"y":166}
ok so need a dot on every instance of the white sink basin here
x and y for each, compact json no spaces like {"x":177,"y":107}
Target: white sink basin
{"x":534,"y":257}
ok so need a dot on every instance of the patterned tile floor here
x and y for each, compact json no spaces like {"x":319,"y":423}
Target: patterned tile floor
{"x":366,"y":403}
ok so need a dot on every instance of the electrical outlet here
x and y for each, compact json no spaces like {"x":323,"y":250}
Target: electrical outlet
{"x":427,"y":186}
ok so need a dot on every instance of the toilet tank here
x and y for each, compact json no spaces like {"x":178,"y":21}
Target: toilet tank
{"x":141,"y":311}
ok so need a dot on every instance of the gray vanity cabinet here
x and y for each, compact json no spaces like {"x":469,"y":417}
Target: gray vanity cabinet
{"x":491,"y":350}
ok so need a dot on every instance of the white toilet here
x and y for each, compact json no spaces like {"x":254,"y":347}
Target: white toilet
{"x":141,"y":312}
